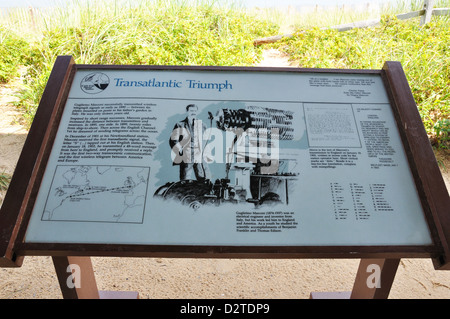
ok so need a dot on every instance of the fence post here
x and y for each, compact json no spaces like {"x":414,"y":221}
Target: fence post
{"x":428,"y":8}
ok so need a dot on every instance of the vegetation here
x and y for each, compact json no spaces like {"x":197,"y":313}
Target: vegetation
{"x":5,"y":179}
{"x":153,"y":32}
{"x":12,"y":49}
{"x":423,"y":51}
{"x":205,"y":33}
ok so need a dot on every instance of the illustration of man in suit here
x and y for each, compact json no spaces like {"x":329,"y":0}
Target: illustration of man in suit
{"x":186,"y":145}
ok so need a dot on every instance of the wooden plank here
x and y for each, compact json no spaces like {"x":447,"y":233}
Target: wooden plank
{"x":272,"y":39}
{"x":202,"y":251}
{"x":428,"y":178}
{"x":358,"y":24}
{"x":410,"y":15}
{"x":441,"y":12}
{"x":20,"y":189}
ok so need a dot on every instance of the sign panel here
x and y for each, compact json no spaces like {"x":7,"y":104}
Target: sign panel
{"x":198,"y":157}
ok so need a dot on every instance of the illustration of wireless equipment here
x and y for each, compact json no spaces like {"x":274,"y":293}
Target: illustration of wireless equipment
{"x":258,"y":132}
{"x":257,"y":117}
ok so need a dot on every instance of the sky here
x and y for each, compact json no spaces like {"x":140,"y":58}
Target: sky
{"x":249,"y":3}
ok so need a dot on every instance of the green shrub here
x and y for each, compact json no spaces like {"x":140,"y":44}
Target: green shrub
{"x":12,"y":50}
{"x":159,"y":34}
{"x":168,"y":32}
{"x":424,"y":53}
{"x":5,"y":179}
{"x":442,"y":129}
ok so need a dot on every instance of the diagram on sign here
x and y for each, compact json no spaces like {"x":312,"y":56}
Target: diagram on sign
{"x":114,"y":194}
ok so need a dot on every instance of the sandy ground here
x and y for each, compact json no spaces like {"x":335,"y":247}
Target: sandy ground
{"x":206,"y":278}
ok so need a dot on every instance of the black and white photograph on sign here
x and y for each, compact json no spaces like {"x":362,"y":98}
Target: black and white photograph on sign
{"x":242,"y":147}
{"x":184,"y":157}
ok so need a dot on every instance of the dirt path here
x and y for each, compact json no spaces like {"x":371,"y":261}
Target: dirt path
{"x":207,"y":278}
{"x":12,"y":133}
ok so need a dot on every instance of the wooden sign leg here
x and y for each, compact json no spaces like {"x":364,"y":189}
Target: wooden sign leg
{"x":373,"y":281}
{"x":374,"y":278}
{"x":77,"y":280}
{"x":76,"y":277}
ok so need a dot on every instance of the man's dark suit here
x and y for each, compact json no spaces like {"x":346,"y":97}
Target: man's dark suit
{"x":186,"y":144}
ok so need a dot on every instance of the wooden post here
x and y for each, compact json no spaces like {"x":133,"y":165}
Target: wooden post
{"x":373,"y":281}
{"x":374,"y":278}
{"x":428,"y":8}
{"x":77,"y":280}
{"x":76,"y":277}
{"x":28,"y":167}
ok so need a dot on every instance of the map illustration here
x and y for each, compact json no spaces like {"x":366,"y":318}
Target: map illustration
{"x":101,"y":193}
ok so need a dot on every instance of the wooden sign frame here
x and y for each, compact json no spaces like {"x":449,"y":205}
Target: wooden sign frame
{"x":18,"y":204}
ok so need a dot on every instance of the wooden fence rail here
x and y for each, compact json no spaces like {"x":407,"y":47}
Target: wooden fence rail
{"x":425,"y":14}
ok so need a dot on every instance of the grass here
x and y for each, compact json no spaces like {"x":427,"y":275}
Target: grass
{"x":206,"y":32}
{"x":11,"y":54}
{"x":5,"y":179}
{"x":152,"y":32}
{"x":423,"y":52}
{"x":290,"y":18}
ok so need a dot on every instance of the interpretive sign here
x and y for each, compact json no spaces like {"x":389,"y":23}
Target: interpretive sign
{"x":321,"y":164}
{"x":144,"y":161}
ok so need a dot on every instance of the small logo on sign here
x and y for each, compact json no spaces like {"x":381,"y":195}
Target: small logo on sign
{"x":94,"y":83}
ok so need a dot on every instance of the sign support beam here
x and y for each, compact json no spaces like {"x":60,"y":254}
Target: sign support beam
{"x":76,"y":279}
{"x":374,"y":278}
